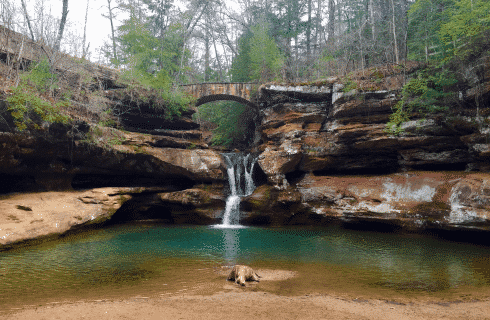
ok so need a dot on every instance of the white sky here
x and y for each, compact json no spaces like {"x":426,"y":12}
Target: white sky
{"x":98,"y":27}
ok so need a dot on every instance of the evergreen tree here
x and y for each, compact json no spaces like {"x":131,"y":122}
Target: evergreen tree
{"x":425,"y":20}
{"x":266,"y":60}
{"x":467,"y":20}
{"x":240,"y":67}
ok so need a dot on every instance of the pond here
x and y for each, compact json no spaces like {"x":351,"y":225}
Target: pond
{"x":137,"y":258}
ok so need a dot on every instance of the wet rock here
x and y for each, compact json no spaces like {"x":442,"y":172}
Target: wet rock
{"x":414,"y":200}
{"x":195,"y":197}
{"x":470,"y":201}
{"x":276,"y":163}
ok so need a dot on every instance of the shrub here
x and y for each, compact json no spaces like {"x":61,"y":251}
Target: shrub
{"x":233,"y":121}
{"x":426,"y":94}
{"x":28,"y":109}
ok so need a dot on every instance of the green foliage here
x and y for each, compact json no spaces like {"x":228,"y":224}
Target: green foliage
{"x":425,"y":20}
{"x":40,"y":77}
{"x":158,"y":92}
{"x":240,"y":67}
{"x":116,"y":141}
{"x":176,"y":102}
{"x":468,"y":18}
{"x":349,"y":85}
{"x":28,"y":109}
{"x":259,"y":57}
{"x":265,"y":58}
{"x":442,"y":29}
{"x":425,"y":94}
{"x":233,"y":121}
{"x":155,"y":60}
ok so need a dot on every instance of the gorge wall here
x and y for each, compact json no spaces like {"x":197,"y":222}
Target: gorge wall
{"x":323,"y":156}
{"x":327,"y":156}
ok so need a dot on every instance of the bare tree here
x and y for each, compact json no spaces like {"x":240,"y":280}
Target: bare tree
{"x":85,"y":48}
{"x":27,"y":19}
{"x":111,"y":16}
{"x":331,"y":22}
{"x":64,"y":14}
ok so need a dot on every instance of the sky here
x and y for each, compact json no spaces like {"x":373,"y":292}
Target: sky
{"x":98,"y":27}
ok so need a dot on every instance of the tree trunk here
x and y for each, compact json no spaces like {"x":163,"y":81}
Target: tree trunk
{"x":397,"y":56}
{"x":404,"y":4}
{"x":371,"y":15}
{"x":331,"y":22}
{"x":84,"y":48}
{"x":64,"y":13}
{"x":218,"y":60}
{"x":206,"y":51}
{"x":318,"y":28}
{"x":28,"y":20}
{"x":308,"y":33}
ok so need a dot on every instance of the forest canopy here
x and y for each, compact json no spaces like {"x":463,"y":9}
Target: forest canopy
{"x":164,"y":43}
{"x":186,"y":41}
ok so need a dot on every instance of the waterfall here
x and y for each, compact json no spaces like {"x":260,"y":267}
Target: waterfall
{"x":237,"y":166}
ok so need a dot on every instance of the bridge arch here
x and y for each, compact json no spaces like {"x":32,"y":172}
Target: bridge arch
{"x":221,"y":97}
{"x":209,"y":92}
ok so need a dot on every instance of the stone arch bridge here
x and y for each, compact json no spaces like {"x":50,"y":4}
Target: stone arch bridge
{"x":208,"y":92}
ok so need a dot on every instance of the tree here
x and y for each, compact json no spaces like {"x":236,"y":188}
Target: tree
{"x":111,"y":16}
{"x":64,"y":14}
{"x":468,"y":18}
{"x":27,"y":19}
{"x":84,"y":47}
{"x":240,"y":67}
{"x":265,"y":58}
{"x":425,"y":18}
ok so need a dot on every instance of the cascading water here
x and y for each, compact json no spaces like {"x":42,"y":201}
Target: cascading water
{"x":237,"y":164}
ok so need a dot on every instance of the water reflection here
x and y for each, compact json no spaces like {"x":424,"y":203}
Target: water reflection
{"x":231,"y":243}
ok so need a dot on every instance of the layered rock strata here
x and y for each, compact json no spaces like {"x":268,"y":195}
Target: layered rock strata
{"x":412,"y":200}
{"x":312,"y":136}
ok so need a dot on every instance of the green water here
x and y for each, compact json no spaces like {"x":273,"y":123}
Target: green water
{"x":128,"y":255}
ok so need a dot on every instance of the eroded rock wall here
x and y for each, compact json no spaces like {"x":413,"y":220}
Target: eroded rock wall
{"x":314,"y":138}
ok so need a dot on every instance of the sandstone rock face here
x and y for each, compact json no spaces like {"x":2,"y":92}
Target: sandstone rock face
{"x":315,"y":139}
{"x":202,"y":204}
{"x":49,"y":214}
{"x":327,"y":129}
{"x":54,"y":162}
{"x":412,"y":200}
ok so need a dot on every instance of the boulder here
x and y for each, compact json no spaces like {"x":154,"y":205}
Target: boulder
{"x":31,"y":216}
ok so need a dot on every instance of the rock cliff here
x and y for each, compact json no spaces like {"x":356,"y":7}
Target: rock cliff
{"x":324,"y":155}
{"x":327,"y":155}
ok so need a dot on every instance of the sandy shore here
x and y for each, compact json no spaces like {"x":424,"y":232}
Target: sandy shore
{"x":225,"y":300}
{"x":251,"y":305}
